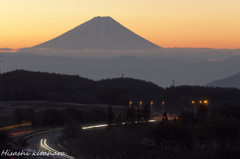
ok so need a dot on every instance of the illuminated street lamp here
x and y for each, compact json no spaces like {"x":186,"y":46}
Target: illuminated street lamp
{"x":162,"y":107}
{"x":206,"y":102}
{"x":130,"y":104}
{"x":194,"y":107}
{"x":200,"y":102}
{"x":140,"y":105}
{"x":151,"y":106}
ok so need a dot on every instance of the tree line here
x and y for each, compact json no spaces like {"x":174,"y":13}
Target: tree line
{"x":27,"y":85}
{"x":210,"y":133}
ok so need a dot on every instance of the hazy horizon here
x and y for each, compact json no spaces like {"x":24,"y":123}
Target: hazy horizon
{"x":158,"y":71}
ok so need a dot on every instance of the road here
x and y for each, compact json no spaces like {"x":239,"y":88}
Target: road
{"x":46,"y":142}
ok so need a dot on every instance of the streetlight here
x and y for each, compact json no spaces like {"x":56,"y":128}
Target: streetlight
{"x":140,"y":104}
{"x":206,"y":102}
{"x":194,"y":107}
{"x":130,"y":104}
{"x":200,"y":102}
{"x":162,"y":107}
{"x":151,"y":106}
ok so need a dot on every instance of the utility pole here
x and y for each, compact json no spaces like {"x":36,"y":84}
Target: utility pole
{"x":162,"y":107}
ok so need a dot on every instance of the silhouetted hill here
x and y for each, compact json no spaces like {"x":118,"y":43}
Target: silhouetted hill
{"x":28,"y":85}
{"x":200,"y":93}
{"x":128,"y":89}
{"x":184,"y":95}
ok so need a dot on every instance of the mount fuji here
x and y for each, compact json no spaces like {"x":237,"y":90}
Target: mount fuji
{"x":102,"y":33}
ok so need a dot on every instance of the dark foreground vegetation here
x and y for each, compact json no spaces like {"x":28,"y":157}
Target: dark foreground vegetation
{"x":21,"y":85}
{"x":209,"y":133}
{"x":206,"y":134}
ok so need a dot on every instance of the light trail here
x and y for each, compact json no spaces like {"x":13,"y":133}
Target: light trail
{"x":43,"y":143}
{"x":104,"y":125}
{"x":151,"y":121}
{"x":95,"y":126}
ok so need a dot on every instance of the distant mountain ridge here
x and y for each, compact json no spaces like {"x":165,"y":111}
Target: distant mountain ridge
{"x":230,"y":81}
{"x":103,"y":33}
{"x":159,"y":71}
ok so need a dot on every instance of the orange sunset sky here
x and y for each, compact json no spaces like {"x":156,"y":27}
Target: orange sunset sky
{"x":167,"y":23}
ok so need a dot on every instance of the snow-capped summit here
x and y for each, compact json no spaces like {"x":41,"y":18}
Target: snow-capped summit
{"x":102,"y":33}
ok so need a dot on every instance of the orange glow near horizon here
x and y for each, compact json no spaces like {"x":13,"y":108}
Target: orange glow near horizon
{"x":183,"y":24}
{"x":14,"y":50}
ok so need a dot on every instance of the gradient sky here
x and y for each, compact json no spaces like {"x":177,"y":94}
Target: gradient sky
{"x":167,"y":23}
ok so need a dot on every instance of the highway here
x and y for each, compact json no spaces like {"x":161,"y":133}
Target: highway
{"x":46,"y":142}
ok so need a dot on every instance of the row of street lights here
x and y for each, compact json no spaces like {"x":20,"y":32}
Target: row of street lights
{"x":205,"y":101}
{"x":200,"y":102}
{"x":193,"y":102}
{"x":130,"y":105}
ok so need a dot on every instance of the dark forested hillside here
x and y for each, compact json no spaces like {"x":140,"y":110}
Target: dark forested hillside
{"x":128,"y":89}
{"x":27,"y":85}
{"x":184,"y":95}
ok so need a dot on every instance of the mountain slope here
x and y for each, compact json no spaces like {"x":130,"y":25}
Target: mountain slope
{"x":28,"y":85}
{"x":99,"y":33}
{"x":231,"y":81}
